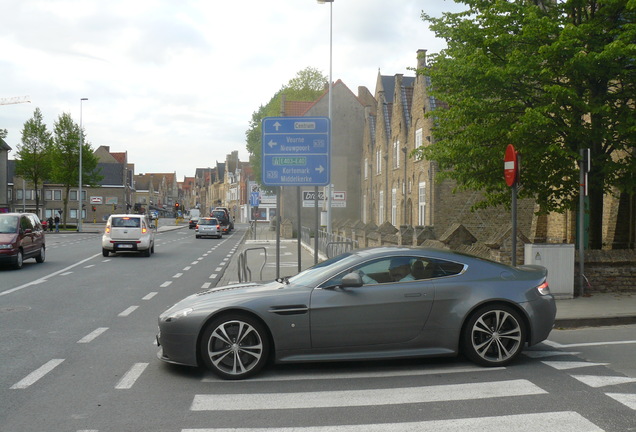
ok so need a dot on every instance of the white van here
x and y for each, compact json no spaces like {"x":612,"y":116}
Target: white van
{"x":195,"y":214}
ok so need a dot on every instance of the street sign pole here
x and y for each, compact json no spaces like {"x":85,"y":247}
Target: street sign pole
{"x":511,"y":174}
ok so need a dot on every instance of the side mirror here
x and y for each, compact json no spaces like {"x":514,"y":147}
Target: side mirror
{"x":352,"y":279}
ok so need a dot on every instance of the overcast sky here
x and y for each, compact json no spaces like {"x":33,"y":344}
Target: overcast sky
{"x":175,"y":82}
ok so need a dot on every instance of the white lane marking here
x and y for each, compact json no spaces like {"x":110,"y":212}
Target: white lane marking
{"x":149,"y":295}
{"x":37,"y":374}
{"x":218,"y":269}
{"x":44,"y":278}
{"x":206,"y":285}
{"x":588,"y":344}
{"x":213,"y":276}
{"x":128,"y":311}
{"x":565,"y":365}
{"x":165,"y":284}
{"x":370,"y":374}
{"x":626,"y":399}
{"x":186,"y":268}
{"x":93,"y":335}
{"x":567,"y":421}
{"x":178,"y":275}
{"x":200,"y":259}
{"x":603,"y":381}
{"x":370,"y":397}
{"x":133,"y":374}
{"x":194,"y":262}
{"x":89,"y":266}
{"x":66,"y":273}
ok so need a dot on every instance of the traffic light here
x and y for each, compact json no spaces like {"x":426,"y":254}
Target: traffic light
{"x":94,"y":208}
{"x":176,"y":206}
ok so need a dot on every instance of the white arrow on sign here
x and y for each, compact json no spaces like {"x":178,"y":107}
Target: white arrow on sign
{"x":277,"y":125}
{"x":320,"y":169}
{"x":271,"y":143}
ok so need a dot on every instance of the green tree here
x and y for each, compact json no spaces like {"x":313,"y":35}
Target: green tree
{"x":65,"y":158}
{"x":34,"y":153}
{"x":306,"y":86}
{"x":3,"y":133}
{"x":551,"y":78}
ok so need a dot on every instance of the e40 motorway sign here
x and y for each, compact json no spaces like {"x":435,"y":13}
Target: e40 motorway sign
{"x":296,"y":151}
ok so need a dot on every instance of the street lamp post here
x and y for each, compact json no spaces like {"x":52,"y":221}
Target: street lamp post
{"x":79,"y":191}
{"x":330,"y":98}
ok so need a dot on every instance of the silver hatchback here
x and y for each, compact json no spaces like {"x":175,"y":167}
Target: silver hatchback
{"x":208,"y":227}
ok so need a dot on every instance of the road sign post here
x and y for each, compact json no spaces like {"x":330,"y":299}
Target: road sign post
{"x":511,"y":174}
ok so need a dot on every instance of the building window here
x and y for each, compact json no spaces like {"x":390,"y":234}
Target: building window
{"x":396,"y":154}
{"x":364,"y":208}
{"x":394,"y":207}
{"x":421,"y":219}
{"x":381,"y":208}
{"x":418,"y":143}
{"x":378,"y":161}
{"x":366,"y":168}
{"x":73,"y":195}
{"x":53,"y":194}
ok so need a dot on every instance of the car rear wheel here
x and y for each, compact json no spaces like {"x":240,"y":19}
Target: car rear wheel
{"x":105,"y":252}
{"x":42,"y":255}
{"x":494,"y":335}
{"x":234,"y":346}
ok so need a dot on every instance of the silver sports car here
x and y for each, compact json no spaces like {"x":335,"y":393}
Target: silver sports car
{"x":377,"y":303}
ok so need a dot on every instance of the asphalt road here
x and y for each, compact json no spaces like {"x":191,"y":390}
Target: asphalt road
{"x":77,"y":353}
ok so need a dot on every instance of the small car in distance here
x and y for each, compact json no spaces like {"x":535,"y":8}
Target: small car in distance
{"x":128,"y":233}
{"x":223,"y":217}
{"x":21,"y":237}
{"x":208,"y":227}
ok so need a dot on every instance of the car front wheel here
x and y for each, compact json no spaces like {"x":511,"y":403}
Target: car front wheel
{"x":494,"y":335}
{"x":234,"y":346}
{"x":19,"y":260}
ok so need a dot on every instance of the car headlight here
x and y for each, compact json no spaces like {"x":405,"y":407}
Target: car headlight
{"x":179,"y":314}
{"x":6,"y":246}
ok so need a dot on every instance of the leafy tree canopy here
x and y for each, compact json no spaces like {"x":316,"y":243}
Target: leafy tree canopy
{"x":551,"y":78}
{"x":34,"y":159}
{"x":306,"y":86}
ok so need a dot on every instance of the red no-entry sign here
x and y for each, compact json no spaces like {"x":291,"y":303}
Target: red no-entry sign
{"x":511,"y":166}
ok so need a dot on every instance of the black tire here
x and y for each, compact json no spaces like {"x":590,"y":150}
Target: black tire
{"x":105,"y":252}
{"x":146,"y":253}
{"x":235,"y":346}
{"x":197,"y":236}
{"x":494,"y":335}
{"x":41,"y":256}
{"x":19,"y":260}
{"x":152,"y":248}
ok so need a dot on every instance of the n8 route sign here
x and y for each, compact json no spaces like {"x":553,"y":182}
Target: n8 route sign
{"x":296,"y":151}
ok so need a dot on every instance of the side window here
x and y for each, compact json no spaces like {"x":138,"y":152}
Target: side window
{"x":441,"y":268}
{"x":25,"y":223}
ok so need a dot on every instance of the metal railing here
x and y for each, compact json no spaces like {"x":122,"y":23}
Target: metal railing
{"x":329,"y":245}
{"x":244,"y":272}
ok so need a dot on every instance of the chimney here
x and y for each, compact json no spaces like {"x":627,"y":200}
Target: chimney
{"x":421,"y":58}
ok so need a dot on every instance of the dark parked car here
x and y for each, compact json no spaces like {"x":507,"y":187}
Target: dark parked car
{"x":21,"y":237}
{"x":377,"y":303}
{"x":223,"y":217}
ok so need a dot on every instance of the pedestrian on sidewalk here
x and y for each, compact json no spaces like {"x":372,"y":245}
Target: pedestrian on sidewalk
{"x":57,"y":223}
{"x":49,"y":223}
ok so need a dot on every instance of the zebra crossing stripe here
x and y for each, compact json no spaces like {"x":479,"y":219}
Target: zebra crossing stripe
{"x":627,"y":399}
{"x":333,"y":399}
{"x":565,"y":365}
{"x":597,"y":381}
{"x":37,"y":374}
{"x":567,"y":421}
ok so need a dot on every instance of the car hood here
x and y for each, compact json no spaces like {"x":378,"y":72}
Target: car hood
{"x":233,"y":295}
{"x":7,"y":238}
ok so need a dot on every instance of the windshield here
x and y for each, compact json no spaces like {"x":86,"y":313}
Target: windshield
{"x":323,"y":270}
{"x":8,"y":224}
{"x":208,"y":222}
{"x":126,"y":222}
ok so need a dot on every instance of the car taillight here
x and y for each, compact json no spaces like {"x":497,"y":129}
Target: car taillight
{"x":218,"y":227}
{"x":544,"y":288}
{"x":143,"y":230}
{"x":196,"y":226}
{"x":107,"y":229}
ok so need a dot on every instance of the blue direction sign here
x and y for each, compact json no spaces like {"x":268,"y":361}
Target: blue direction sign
{"x":296,"y":151}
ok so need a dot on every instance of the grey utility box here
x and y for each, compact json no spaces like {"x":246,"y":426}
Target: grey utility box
{"x":559,"y":260}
